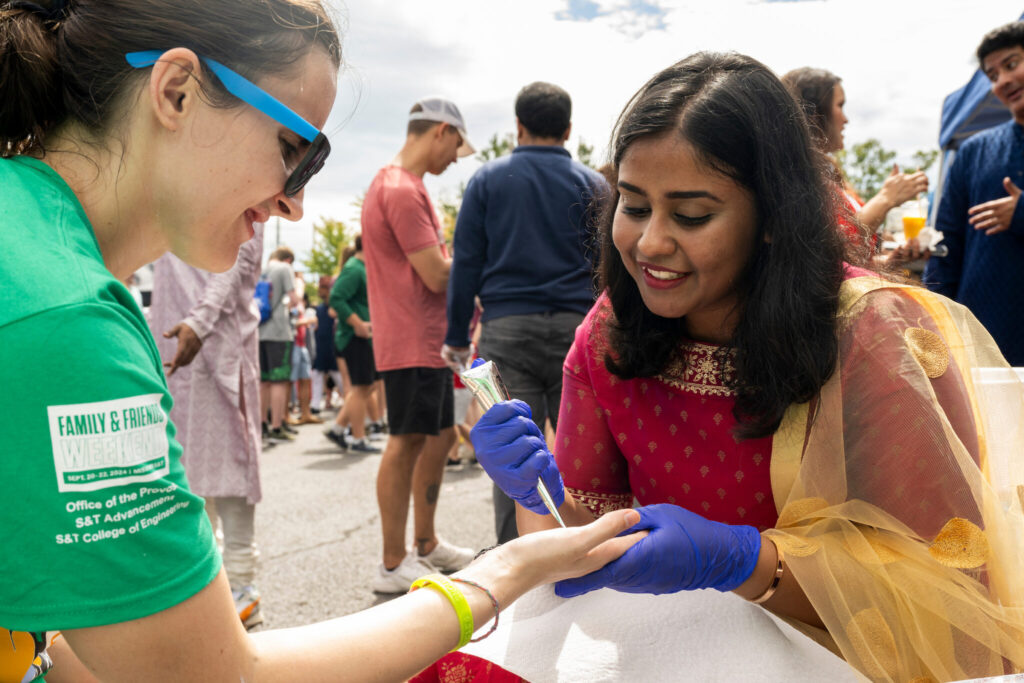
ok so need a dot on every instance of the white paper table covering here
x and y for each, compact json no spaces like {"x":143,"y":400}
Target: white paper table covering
{"x":690,"y":636}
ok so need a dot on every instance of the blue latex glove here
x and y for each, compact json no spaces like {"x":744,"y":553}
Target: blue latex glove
{"x":512,"y":451}
{"x":682,"y":551}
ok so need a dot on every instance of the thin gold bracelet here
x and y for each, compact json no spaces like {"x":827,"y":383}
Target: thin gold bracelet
{"x":774,"y":586}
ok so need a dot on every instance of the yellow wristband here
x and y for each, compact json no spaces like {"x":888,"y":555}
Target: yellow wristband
{"x":444,"y":585}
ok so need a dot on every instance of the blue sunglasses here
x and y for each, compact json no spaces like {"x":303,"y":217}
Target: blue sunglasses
{"x":255,"y":96}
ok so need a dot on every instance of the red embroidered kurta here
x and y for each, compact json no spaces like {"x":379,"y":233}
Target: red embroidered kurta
{"x":667,"y":439}
{"x":457,"y":667}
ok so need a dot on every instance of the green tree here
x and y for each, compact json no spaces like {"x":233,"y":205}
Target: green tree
{"x":585,"y":153}
{"x":497,"y":146}
{"x":450,"y":212}
{"x":330,"y":237}
{"x":924,"y":158}
{"x":867,"y":164}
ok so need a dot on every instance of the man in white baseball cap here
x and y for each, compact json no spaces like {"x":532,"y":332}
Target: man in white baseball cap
{"x":439,"y":110}
{"x":407,"y":266}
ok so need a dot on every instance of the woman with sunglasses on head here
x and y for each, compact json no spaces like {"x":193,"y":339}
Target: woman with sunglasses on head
{"x":800,"y":430}
{"x":130,"y":128}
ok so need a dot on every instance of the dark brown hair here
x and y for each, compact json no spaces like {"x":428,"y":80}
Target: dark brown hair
{"x":544,"y":109}
{"x":70,"y":66}
{"x":1008,"y":35}
{"x":813,"y":90}
{"x":743,"y":124}
{"x":283,"y":254}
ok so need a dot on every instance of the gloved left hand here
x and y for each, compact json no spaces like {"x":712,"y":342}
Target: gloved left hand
{"x":682,"y":551}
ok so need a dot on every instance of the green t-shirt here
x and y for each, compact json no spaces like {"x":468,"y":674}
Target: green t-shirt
{"x":348,"y":296}
{"x":97,"y":525}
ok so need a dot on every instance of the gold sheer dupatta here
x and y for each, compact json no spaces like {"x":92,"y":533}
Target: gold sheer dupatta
{"x":900,"y":512}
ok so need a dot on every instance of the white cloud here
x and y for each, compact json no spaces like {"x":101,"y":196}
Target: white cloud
{"x":898,"y":59}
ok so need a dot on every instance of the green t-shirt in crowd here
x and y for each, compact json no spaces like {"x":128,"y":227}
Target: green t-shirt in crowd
{"x":348,"y":296}
{"x":97,"y":525}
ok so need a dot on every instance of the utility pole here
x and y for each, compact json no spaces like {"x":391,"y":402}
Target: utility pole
{"x":277,"y":223}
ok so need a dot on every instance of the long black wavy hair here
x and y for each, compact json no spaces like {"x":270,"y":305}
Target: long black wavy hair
{"x":742,"y":123}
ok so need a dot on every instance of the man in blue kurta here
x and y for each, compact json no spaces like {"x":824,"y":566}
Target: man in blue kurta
{"x":523,"y":245}
{"x":980,"y":217}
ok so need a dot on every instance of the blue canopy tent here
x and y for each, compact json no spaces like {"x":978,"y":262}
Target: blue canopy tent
{"x":969,"y":110}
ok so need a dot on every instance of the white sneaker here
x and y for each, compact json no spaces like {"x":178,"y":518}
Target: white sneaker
{"x":447,"y":557}
{"x":399,"y":579}
{"x":247,"y":604}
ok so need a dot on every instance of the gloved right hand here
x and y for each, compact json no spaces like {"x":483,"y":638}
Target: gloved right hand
{"x":512,"y":451}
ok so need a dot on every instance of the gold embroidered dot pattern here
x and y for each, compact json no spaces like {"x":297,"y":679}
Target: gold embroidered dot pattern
{"x":874,"y":643}
{"x":929,"y":350}
{"x":960,"y":544}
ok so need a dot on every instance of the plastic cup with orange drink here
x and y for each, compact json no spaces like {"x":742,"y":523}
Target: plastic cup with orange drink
{"x":912,"y":226}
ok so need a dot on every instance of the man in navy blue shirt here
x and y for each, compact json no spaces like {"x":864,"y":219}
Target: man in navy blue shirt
{"x":980,"y":217}
{"x":523,"y":244}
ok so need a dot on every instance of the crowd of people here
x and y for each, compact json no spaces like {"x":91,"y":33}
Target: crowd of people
{"x":715,"y":369}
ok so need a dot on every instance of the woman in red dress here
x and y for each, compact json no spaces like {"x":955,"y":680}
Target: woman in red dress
{"x":797,"y":430}
{"x":821,"y":96}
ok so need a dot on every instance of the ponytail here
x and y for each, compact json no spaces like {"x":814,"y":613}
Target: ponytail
{"x":30,"y":82}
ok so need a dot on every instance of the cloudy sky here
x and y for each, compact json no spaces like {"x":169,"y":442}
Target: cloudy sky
{"x":898,"y":59}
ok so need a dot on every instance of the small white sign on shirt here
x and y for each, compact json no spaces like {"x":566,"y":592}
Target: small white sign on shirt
{"x":109,"y":443}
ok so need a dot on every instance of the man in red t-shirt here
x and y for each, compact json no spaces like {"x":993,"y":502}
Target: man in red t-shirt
{"x":407,"y":268}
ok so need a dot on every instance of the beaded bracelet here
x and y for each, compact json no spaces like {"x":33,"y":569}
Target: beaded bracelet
{"x":494,"y":604}
{"x":444,"y":585}
{"x":770,"y":591}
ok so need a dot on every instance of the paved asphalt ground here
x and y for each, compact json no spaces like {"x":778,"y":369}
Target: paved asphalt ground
{"x":318,"y":526}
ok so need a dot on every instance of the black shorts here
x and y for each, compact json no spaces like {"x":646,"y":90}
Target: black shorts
{"x":275,"y":361}
{"x":420,"y":400}
{"x":358,"y":355}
